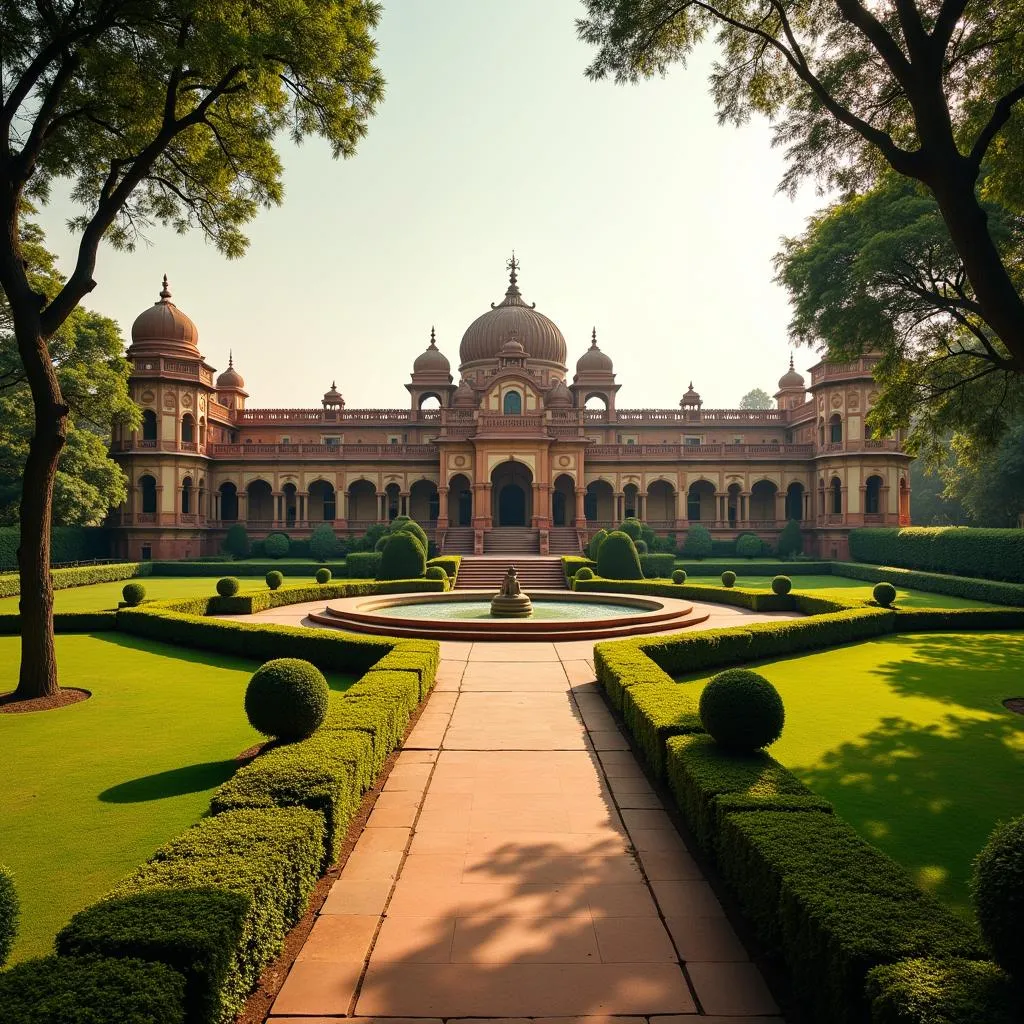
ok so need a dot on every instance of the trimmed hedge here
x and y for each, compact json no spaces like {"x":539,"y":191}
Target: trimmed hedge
{"x":618,"y":558}
{"x":65,"y":622}
{"x":955,"y":550}
{"x":997,"y":889}
{"x":716,"y":568}
{"x":450,"y":564}
{"x":832,"y":906}
{"x":658,"y":566}
{"x":80,"y":576}
{"x":62,"y":990}
{"x":67,"y":544}
{"x":404,"y":558}
{"x":595,"y":544}
{"x":942,"y":992}
{"x":253,"y":568}
{"x":363,"y":565}
{"x":954,"y":620}
{"x":267,"y":859}
{"x":9,"y":914}
{"x":571,"y":564}
{"x":653,"y":712}
{"x":936,"y":583}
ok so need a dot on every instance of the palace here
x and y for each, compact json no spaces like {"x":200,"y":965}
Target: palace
{"x":512,"y":458}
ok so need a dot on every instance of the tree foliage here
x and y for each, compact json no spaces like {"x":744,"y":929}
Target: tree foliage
{"x":758,"y":398}
{"x":987,"y":482}
{"x":929,"y":88}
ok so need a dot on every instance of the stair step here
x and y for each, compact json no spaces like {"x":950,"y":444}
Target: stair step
{"x":486,"y":572}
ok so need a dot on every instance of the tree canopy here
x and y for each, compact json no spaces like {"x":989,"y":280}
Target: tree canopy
{"x":758,"y":398}
{"x":931,"y":89}
{"x":988,"y":482}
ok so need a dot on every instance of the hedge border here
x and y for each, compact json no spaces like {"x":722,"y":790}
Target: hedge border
{"x":80,"y":576}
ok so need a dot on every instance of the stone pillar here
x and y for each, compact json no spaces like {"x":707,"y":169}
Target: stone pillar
{"x":641,"y":506}
{"x":216,"y":504}
{"x":620,"y":507}
{"x":403,"y":503}
{"x":780,"y":507}
{"x":300,"y":499}
{"x":442,"y":508}
{"x":807,"y":505}
{"x":243,"y":506}
{"x":581,"y":517}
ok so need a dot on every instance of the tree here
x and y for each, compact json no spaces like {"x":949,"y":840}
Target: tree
{"x":929,"y":505}
{"x":931,"y":90}
{"x":158,"y":113}
{"x":756,"y":399}
{"x":989,"y":483}
{"x":879,"y":272}
{"x":87,"y":352}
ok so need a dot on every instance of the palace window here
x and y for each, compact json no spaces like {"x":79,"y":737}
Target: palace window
{"x":692,"y":442}
{"x":512,"y":404}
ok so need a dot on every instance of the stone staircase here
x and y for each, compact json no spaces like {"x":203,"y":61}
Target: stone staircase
{"x":563,"y":540}
{"x":512,"y":540}
{"x":458,"y":540}
{"x":485,"y":572}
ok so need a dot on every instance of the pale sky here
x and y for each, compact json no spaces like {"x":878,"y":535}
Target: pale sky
{"x":628,"y":207}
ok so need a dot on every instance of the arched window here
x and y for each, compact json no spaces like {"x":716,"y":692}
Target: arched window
{"x":836,"y":493}
{"x":186,"y":496}
{"x":873,"y":495}
{"x":513,"y":404}
{"x":188,"y":428}
{"x":149,"y":425}
{"x":228,"y":502}
{"x":147,"y":485}
{"x":202,"y":430}
{"x":835,"y":429}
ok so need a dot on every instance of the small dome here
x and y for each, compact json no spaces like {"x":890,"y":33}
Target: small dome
{"x":487,"y":335}
{"x":791,"y":379}
{"x":594,"y":360}
{"x":558,"y":396}
{"x":513,"y":347}
{"x":333,"y":396}
{"x":690,"y":398}
{"x":465,"y":396}
{"x":164,"y":328}
{"x":432,"y":360}
{"x":230,"y":378}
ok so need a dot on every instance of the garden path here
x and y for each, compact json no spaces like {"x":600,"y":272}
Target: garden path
{"x":518,"y":864}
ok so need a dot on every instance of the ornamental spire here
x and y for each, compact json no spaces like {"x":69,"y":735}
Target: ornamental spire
{"x":790,"y":362}
{"x":433,"y":340}
{"x":165,"y":292}
{"x":231,"y":358}
{"x":593,"y":338}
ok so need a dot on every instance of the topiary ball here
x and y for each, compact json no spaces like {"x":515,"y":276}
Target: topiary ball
{"x":323,"y":575}
{"x":742,"y":710}
{"x":287,"y":699}
{"x":728,"y":578}
{"x":435,"y":572}
{"x":228,"y":586}
{"x":274,"y":579}
{"x":782,"y":585}
{"x":585,"y":573}
{"x":884,"y":594}
{"x":678,"y":575}
{"x":133,"y":594}
{"x":997,"y":888}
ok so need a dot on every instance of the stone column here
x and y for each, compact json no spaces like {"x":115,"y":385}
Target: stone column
{"x":780,"y":507}
{"x":641,"y":506}
{"x":620,"y":507}
{"x":581,"y":517}
{"x":300,"y":499}
{"x":403,"y":503}
{"x":243,"y":507}
{"x":216,"y":505}
{"x":743,"y":513}
{"x":442,"y":508}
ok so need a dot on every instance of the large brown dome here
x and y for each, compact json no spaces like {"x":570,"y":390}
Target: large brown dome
{"x":165,"y":329}
{"x":513,"y":318}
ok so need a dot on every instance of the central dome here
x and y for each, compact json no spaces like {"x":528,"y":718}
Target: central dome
{"x":512,"y":318}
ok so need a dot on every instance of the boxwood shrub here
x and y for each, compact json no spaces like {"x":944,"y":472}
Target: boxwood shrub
{"x":9,"y":913}
{"x":228,"y":586}
{"x":654,"y":711}
{"x":277,"y":545}
{"x":749,"y":545}
{"x":450,"y":564}
{"x":363,"y":565}
{"x":595,"y":544}
{"x":618,"y":558}
{"x":274,"y":579}
{"x":571,"y":564}
{"x":958,"y":586}
{"x":133,"y":594}
{"x":79,"y":576}
{"x":404,"y":558}
{"x":657,"y":566}
{"x":65,"y":990}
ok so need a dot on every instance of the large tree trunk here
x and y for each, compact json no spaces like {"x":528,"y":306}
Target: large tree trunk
{"x":38,"y":676}
{"x":1001,"y":305}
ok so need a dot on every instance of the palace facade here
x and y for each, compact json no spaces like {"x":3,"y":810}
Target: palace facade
{"x":515,"y":456}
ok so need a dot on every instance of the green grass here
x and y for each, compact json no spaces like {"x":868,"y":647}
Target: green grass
{"x":908,"y":737}
{"x":91,"y":790}
{"x":101,"y":596}
{"x":846,"y":589}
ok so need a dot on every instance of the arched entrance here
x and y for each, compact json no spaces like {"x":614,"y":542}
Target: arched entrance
{"x":460,"y":501}
{"x":563,"y":501}
{"x":512,"y":490}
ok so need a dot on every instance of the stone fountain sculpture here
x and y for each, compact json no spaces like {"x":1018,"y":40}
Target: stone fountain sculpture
{"x":510,"y":602}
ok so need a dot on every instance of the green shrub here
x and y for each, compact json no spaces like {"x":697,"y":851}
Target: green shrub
{"x":749,"y":545}
{"x":959,"y":550}
{"x":287,"y":698}
{"x":728,"y":578}
{"x":942,"y":992}
{"x":884,"y":594}
{"x":67,"y":544}
{"x":236,"y":541}
{"x":742,"y":710}
{"x":363,"y":565}
{"x":274,"y":579}
{"x":9,"y":913}
{"x":632,"y":528}
{"x":65,"y":990}
{"x":618,"y":559}
{"x":228,"y":586}
{"x":678,"y":575}
{"x":997,"y":887}
{"x":133,"y":594}
{"x":322,"y":575}
{"x":403,"y":524}
{"x":584,"y":573}
{"x":641,"y":546}
{"x":277,"y":545}
{"x":992,"y":591}
{"x":781,"y":585}
{"x":657,"y":566}
{"x":698,"y":542}
{"x":382,"y":542}
{"x":595,"y":544}
{"x":405,"y":558}
{"x":791,"y":540}
{"x":450,"y":564}
{"x":323,"y":543}
{"x":435,"y":572}
{"x":654,"y":711}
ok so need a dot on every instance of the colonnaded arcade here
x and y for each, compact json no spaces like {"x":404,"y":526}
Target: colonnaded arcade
{"x":512,"y":458}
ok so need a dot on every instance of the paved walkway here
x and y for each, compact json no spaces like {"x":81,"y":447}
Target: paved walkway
{"x":518,"y":864}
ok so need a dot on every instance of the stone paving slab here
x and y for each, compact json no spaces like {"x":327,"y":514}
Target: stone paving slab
{"x":518,"y":868}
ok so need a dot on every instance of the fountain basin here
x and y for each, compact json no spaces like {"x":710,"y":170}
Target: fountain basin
{"x":466,"y":615}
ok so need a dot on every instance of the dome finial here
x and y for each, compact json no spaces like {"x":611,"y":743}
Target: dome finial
{"x":433,"y":339}
{"x":513,"y":266}
{"x":165,"y":292}
{"x":791,"y":362}
{"x":593,"y":338}
{"x":231,"y":358}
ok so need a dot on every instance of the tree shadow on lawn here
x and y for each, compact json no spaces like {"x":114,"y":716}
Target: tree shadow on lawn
{"x":192,"y":778}
{"x":929,"y":795}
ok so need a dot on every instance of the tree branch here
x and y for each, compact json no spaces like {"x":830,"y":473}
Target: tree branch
{"x":1000,"y":115}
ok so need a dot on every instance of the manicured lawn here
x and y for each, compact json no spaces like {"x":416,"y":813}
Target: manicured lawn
{"x":101,"y":596}
{"x":91,"y":790}
{"x":908,"y":737}
{"x":847,"y":588}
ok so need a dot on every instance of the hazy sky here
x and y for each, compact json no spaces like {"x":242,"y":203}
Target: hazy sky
{"x":629,"y":208}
